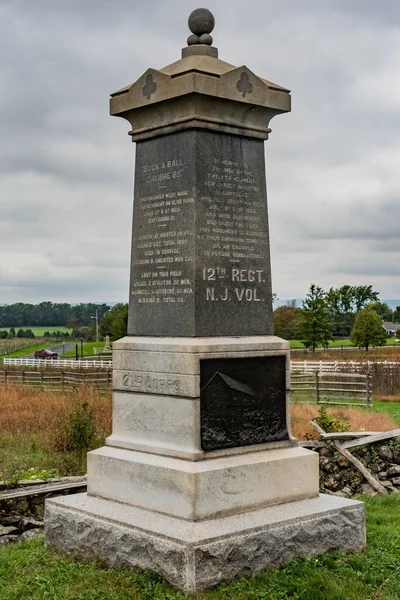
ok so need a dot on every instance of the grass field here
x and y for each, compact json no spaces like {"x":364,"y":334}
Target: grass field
{"x":29,"y":349}
{"x":40,"y":331}
{"x":87,"y":348}
{"x":33,"y":423}
{"x":297,"y":344}
{"x":29,"y":571}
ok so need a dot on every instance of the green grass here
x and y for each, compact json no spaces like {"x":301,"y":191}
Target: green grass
{"x":390,"y":408}
{"x":29,"y":350}
{"x":30,"y":572}
{"x":87,"y":348}
{"x":297,"y":344}
{"x":40,"y":331}
{"x":25,"y":451}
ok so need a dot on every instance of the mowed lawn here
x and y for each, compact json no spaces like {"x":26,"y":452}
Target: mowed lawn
{"x":30,"y":572}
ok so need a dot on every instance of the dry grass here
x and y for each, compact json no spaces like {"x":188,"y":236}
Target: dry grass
{"x":26,"y":410}
{"x":358,"y":420}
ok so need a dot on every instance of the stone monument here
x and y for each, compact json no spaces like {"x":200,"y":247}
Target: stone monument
{"x":201,"y":479}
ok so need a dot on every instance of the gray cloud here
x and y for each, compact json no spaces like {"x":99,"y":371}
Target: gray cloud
{"x":66,"y":167}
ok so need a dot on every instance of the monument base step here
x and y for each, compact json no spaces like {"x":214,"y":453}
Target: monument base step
{"x":194,"y":556}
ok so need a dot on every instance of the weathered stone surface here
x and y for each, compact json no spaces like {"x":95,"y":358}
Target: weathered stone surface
{"x":5,"y":540}
{"x":10,"y":530}
{"x":396,"y":457}
{"x":28,"y":523}
{"x":31,"y":534}
{"x":194,"y":556}
{"x":393,"y":471}
{"x":385,"y":453}
{"x":203,"y":489}
{"x":366,"y":488}
{"x":200,"y":253}
{"x":396,"y":480}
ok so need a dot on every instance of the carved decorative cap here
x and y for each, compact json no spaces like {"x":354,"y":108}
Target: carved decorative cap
{"x":201,"y":23}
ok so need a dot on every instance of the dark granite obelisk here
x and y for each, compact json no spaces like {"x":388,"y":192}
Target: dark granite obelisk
{"x":201,"y":479}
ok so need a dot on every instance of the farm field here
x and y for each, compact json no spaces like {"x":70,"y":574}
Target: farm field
{"x":40,"y":331}
{"x":28,"y":570}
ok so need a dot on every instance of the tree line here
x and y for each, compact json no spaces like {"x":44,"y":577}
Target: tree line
{"x":44,"y":314}
{"x":353,"y":312}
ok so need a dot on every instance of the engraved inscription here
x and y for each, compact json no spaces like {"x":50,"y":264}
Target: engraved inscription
{"x":235,"y":234}
{"x":200,"y":250}
{"x":148,"y":382}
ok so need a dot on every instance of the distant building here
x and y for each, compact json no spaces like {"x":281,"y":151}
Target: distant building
{"x":391,"y":328}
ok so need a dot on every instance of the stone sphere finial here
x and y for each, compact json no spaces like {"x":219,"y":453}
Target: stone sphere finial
{"x":201,"y":23}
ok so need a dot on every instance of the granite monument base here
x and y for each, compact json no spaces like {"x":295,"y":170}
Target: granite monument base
{"x":193,"y":556}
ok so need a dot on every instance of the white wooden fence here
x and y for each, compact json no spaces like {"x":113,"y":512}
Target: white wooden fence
{"x":60,"y":362}
{"x":308,"y":366}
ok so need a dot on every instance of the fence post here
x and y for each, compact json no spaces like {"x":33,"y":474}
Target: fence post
{"x":317,"y":386}
{"x":369,"y":389}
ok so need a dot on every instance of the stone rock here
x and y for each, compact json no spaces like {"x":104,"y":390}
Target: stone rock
{"x":393,"y":471}
{"x":5,"y":540}
{"x":325,"y":452}
{"x":387,"y":484}
{"x":366,"y":488}
{"x":7,"y":520}
{"x":27,"y":523}
{"x":31,"y":534}
{"x":396,"y":457}
{"x":396,"y":480}
{"x":344,"y":493}
{"x":11,"y":530}
{"x":382,"y":474}
{"x":385,"y":453}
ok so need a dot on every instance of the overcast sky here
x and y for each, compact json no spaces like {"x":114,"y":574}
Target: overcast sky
{"x":66,"y":167}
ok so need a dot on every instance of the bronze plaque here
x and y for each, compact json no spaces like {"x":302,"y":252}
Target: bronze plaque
{"x":242,"y":401}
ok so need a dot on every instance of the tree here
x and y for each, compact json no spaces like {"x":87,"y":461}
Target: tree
{"x":382,"y":309}
{"x":316,"y":321}
{"x":368,"y":330}
{"x":396,"y":315}
{"x":286,"y":322}
{"x":345,"y":302}
{"x":114,"y":322}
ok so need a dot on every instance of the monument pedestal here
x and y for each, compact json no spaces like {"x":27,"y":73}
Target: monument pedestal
{"x":157,"y":500}
{"x":197,"y":555}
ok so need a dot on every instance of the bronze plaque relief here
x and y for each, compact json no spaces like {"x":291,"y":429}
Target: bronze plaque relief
{"x":242,"y":402}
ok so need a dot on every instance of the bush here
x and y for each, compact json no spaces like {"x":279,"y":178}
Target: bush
{"x":329,"y":423}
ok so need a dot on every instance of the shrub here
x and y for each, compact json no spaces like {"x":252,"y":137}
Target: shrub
{"x":329,"y":423}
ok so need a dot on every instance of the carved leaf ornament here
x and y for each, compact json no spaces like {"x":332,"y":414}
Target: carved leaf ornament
{"x":244,"y":86}
{"x":150,"y":86}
